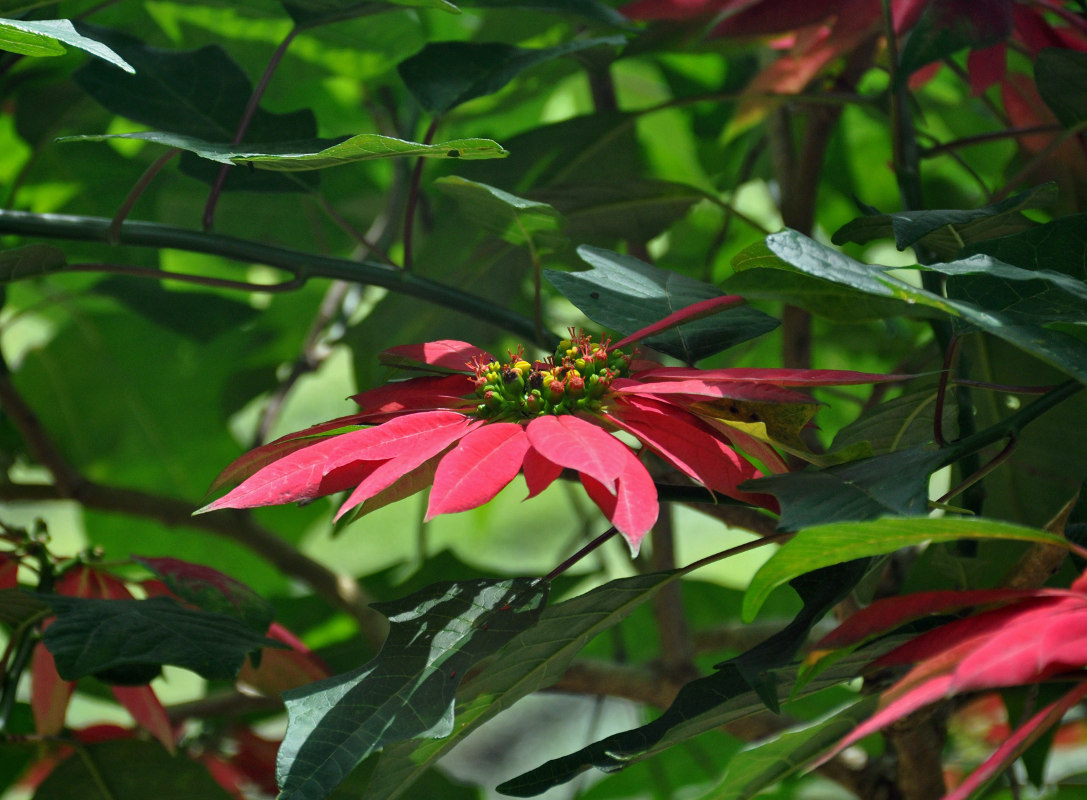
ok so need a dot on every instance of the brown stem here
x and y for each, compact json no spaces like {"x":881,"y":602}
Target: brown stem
{"x":413,"y":198}
{"x":243,"y":124}
{"x":667,"y":604}
{"x":114,"y":234}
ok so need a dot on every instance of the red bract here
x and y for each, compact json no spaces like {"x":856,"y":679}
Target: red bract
{"x":1029,"y":637}
{"x":821,"y":32}
{"x":470,"y":433}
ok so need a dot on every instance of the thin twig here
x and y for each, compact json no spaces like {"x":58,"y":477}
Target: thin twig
{"x":243,"y":124}
{"x":134,"y":193}
{"x":413,"y":197}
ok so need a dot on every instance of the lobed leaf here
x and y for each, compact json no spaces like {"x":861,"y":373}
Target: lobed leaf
{"x":947,"y":231}
{"x":407,"y":692}
{"x":533,"y":660}
{"x":627,"y":295}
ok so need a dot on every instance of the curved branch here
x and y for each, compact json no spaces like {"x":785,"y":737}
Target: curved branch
{"x":301,"y":264}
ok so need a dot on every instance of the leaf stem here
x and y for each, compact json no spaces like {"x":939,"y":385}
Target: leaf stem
{"x":580,"y":554}
{"x":134,"y":193}
{"x":198,"y":280}
{"x":243,"y":124}
{"x":413,"y":197}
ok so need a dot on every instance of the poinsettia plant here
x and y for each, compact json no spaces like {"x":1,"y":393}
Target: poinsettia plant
{"x":720,"y":357}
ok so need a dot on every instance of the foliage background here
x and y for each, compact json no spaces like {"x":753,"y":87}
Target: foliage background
{"x":645,"y":143}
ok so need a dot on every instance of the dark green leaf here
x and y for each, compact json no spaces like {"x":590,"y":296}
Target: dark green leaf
{"x":443,"y":75}
{"x":701,"y":705}
{"x":406,"y":692}
{"x":198,"y":315}
{"x":1062,"y":82}
{"x":30,"y":261}
{"x":310,"y":154}
{"x":18,"y":605}
{"x":762,"y":764}
{"x":633,"y":209}
{"x":947,"y":27}
{"x":91,"y":635}
{"x":824,"y":545}
{"x":311,"y":13}
{"x":534,"y":660}
{"x":129,"y":768}
{"x":588,"y":9}
{"x":625,"y":294}
{"x":1060,"y":246}
{"x":945,"y":232}
{"x":892,"y":484}
{"x":820,"y":297}
{"x":212,"y":591}
{"x":905,"y":421}
{"x":515,"y":219}
{"x":199,"y":93}
{"x":1020,"y":295}
{"x":43,"y":37}
{"x":1055,"y":347}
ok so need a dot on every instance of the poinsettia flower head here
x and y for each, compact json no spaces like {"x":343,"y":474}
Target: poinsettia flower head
{"x":469,"y":430}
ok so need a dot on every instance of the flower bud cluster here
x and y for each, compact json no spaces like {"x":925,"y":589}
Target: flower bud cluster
{"x":576,"y":378}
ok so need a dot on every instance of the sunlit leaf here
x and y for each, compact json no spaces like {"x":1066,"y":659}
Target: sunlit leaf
{"x":437,"y":635}
{"x":44,"y":37}
{"x":533,"y":660}
{"x":310,"y":154}
{"x":832,"y":544}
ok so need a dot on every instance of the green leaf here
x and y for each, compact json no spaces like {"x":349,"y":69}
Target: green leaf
{"x":437,"y":634}
{"x":30,"y":261}
{"x":758,"y":766}
{"x":211,"y":590}
{"x":1059,"y":246}
{"x":587,"y":9}
{"x":1061,"y":76}
{"x":515,"y":219}
{"x":824,"y":545}
{"x":944,"y":29}
{"x":534,"y":660}
{"x":625,"y":294}
{"x":633,"y":209}
{"x":1031,"y":296}
{"x":905,"y":421}
{"x":702,"y":705}
{"x":311,"y":154}
{"x":129,"y":768}
{"x":832,"y":301}
{"x":945,"y":232}
{"x":443,"y":75}
{"x":311,"y":13}
{"x":92,"y":635}
{"x":200,"y":94}
{"x":895,"y":483}
{"x":43,"y":38}
{"x":19,"y":605}
{"x":1055,"y":347}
